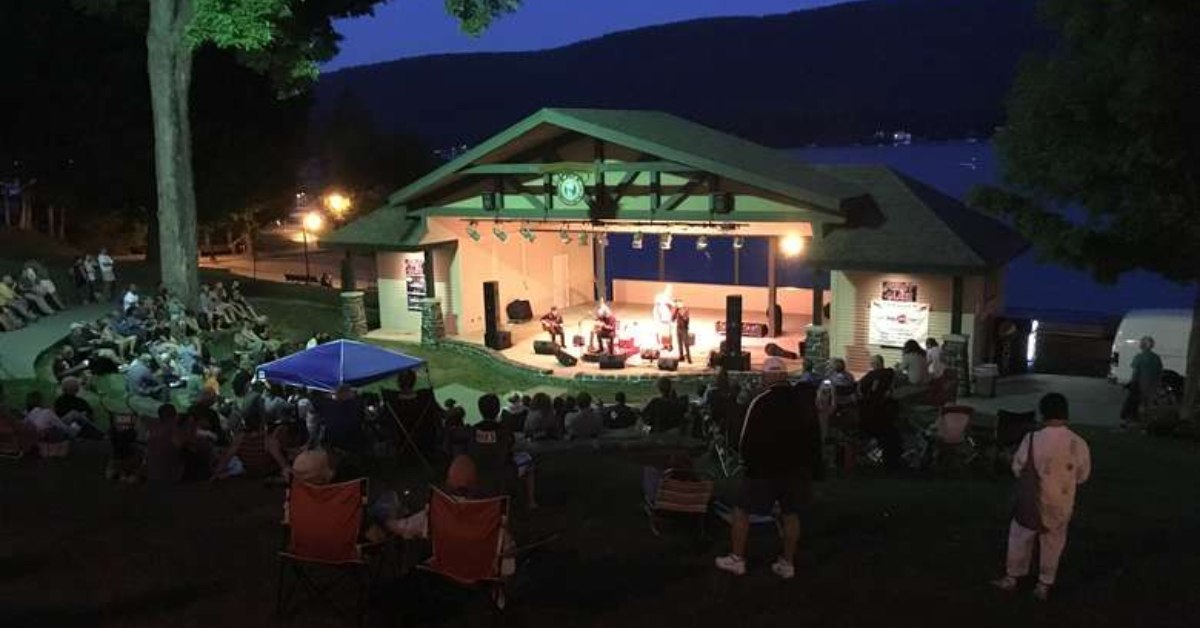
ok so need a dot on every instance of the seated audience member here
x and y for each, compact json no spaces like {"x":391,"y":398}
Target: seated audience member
{"x":40,"y":283}
{"x":490,"y":446}
{"x":34,"y":300}
{"x":933,"y":355}
{"x":73,"y":409}
{"x":256,"y":447}
{"x":877,"y":383}
{"x":913,"y":369}
{"x":16,"y":436}
{"x":514,"y":416}
{"x":208,"y":421}
{"x":417,"y":411}
{"x":619,"y":415}
{"x":14,"y":307}
{"x":68,"y":364}
{"x":314,"y":466}
{"x":664,"y":412}
{"x":248,"y":341}
{"x":142,"y":378}
{"x":197,"y":451}
{"x":342,"y":423}
{"x":878,"y":410}
{"x":583,"y":422}
{"x":240,"y":304}
{"x":129,"y":301}
{"x":541,"y":422}
{"x":48,"y":426}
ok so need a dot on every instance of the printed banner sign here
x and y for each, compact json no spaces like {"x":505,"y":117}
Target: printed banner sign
{"x":414,"y":278}
{"x":892,"y":323}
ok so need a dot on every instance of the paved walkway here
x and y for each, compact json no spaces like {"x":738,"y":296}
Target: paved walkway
{"x":1093,"y":401}
{"x":20,"y":349}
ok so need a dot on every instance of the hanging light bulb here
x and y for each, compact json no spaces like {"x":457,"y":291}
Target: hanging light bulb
{"x":664,"y":241}
{"x":738,"y":243}
{"x":637,"y":241}
{"x":472,"y":231}
{"x":499,"y":232}
{"x":702,"y":243}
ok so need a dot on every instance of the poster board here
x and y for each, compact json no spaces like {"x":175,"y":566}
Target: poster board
{"x":414,"y":280}
{"x":892,"y":323}
{"x":899,"y":291}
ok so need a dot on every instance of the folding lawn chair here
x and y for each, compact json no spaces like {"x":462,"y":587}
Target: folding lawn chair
{"x":324,"y":527}
{"x":670,"y":491}
{"x":952,"y":439}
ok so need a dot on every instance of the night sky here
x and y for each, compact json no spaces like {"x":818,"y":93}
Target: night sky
{"x":407,"y":28}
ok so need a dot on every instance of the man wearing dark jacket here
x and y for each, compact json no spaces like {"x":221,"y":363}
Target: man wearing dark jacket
{"x":781,"y":448}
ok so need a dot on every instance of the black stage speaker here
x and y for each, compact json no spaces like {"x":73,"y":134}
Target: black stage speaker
{"x":519,"y":311}
{"x":566,"y":359}
{"x":779,"y":352}
{"x":733,"y":324}
{"x":611,"y":362}
{"x":736,"y":361}
{"x":668,"y":364}
{"x":545,"y":347}
{"x":491,"y":309}
{"x":499,"y":341}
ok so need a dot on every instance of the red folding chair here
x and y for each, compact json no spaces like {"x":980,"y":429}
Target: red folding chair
{"x":325,"y":547}
{"x":468,"y":537}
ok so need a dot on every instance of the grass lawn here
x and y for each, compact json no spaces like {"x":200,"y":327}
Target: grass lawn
{"x":79,"y":551}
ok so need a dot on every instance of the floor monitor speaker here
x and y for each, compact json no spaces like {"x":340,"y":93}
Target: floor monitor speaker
{"x":545,"y":347}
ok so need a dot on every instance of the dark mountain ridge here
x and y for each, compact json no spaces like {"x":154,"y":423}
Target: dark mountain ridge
{"x":936,"y":68}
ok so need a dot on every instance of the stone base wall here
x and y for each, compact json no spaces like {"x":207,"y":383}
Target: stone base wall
{"x":955,"y":355}
{"x":354,"y":315}
{"x":816,"y":348}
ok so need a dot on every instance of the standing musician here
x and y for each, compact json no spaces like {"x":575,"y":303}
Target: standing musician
{"x":663,"y":315}
{"x":683,"y":320}
{"x":552,"y":322}
{"x":604,"y":329}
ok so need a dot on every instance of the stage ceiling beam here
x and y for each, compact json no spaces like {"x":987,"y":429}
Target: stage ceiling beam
{"x":516,"y":187}
{"x":632,"y":167}
{"x":682,"y":195}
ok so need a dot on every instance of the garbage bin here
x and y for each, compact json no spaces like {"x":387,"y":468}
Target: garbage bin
{"x":985,"y":380}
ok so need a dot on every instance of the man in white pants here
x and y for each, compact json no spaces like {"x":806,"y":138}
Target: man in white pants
{"x":1062,"y":461}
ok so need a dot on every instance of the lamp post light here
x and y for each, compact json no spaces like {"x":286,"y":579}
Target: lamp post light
{"x":338,"y":204}
{"x":312,"y":222}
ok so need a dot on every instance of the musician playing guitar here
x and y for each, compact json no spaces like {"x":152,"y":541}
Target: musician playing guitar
{"x":605,"y":328}
{"x":552,"y":322}
{"x":664,"y":313}
{"x":683,"y":320}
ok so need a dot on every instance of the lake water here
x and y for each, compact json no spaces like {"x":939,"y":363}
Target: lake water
{"x":956,"y":167}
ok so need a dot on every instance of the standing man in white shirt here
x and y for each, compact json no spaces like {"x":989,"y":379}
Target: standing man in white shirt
{"x":1062,"y":461}
{"x":933,"y":353}
{"x":108,"y":273}
{"x":130,"y":300}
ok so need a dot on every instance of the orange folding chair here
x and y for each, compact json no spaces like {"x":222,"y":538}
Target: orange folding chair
{"x":675,"y":492}
{"x":468,"y":538}
{"x":325,"y":548}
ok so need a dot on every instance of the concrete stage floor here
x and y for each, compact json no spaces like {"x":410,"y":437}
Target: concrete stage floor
{"x":635,"y":321}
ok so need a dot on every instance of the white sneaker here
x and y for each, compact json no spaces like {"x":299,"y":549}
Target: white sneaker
{"x":783,"y":569}
{"x":732,"y":563}
{"x":1007,"y":583}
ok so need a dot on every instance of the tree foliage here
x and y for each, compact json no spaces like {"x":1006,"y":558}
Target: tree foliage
{"x":1107,"y":122}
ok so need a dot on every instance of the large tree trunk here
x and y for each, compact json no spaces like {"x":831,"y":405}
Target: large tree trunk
{"x":169,"y":62}
{"x":1191,"y":388}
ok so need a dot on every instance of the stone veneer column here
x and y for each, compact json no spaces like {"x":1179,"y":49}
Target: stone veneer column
{"x":955,"y":356}
{"x":816,"y":348}
{"x":354,"y":315}
{"x":433,"y":325}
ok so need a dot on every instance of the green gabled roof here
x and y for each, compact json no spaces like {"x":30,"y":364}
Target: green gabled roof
{"x":388,"y":227}
{"x":670,"y":138}
{"x":916,"y":229}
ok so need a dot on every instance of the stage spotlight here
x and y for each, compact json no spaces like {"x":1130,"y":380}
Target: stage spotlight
{"x":500,"y":233}
{"x":792,"y":245}
{"x":564,"y":236}
{"x":738,"y":243}
{"x":602,"y":239}
{"x":664,"y":241}
{"x":472,"y":232}
{"x":583,"y":239}
{"x":527,"y":233}
{"x":637,"y":241}
{"x":702,"y":243}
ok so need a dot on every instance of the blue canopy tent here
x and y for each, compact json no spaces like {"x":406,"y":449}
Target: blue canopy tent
{"x":333,"y":364}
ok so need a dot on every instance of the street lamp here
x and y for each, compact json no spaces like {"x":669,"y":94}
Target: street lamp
{"x":338,"y":204}
{"x":312,"y":222}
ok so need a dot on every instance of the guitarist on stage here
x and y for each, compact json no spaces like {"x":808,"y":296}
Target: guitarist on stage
{"x":552,"y":322}
{"x":605,"y":328}
{"x":683,"y":321}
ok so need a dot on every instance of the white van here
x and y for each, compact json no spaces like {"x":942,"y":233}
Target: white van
{"x":1170,"y":330}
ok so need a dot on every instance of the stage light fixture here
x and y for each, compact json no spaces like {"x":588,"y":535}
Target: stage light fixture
{"x":473,"y":231}
{"x":792,"y":245}
{"x":602,"y":239}
{"x":738,"y":243}
{"x":500,"y":233}
{"x":564,"y":236}
{"x":527,"y":233}
{"x":583,"y":239}
{"x":637,"y":241}
{"x":664,"y":241}
{"x":702,"y":243}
